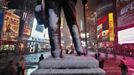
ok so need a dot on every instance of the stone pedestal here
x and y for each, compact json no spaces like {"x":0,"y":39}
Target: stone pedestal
{"x":69,"y":65}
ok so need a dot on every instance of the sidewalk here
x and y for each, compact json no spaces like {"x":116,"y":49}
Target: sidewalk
{"x":111,"y":65}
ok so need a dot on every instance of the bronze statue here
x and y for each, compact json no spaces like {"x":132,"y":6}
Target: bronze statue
{"x":52,"y":12}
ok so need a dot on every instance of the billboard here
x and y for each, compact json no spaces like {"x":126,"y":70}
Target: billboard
{"x":105,"y":18}
{"x":28,"y":24}
{"x":99,"y":32}
{"x":103,"y":28}
{"x":125,"y":21}
{"x":125,"y":13}
{"x":126,"y":36}
{"x":1,"y":19}
{"x":10,"y":26}
{"x":111,"y":26}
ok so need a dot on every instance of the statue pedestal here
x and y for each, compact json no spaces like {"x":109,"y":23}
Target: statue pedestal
{"x":69,"y":65}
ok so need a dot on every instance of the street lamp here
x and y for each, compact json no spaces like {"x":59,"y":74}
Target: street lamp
{"x":84,"y":14}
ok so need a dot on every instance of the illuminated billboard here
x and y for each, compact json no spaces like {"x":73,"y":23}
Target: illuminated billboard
{"x":102,"y":28}
{"x":105,"y":22}
{"x":126,"y":36}
{"x":10,"y":26}
{"x":99,"y":32}
{"x":28,"y":25}
{"x":27,"y":30}
{"x":125,"y":13}
{"x":105,"y":28}
{"x":125,"y":21}
{"x":111,"y":26}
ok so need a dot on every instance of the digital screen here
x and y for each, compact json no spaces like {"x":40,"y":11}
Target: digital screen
{"x":126,"y":36}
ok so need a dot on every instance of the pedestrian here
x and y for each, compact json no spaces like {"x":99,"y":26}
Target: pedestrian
{"x":123,"y":67}
{"x":106,"y":55}
{"x":21,"y":66}
{"x":10,"y":69}
{"x":101,"y":63}
{"x":97,"y":55}
{"x":52,"y":12}
{"x":41,"y":57}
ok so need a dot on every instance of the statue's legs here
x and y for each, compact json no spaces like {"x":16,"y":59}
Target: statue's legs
{"x":70,"y":15}
{"x":76,"y":39}
{"x":54,"y":28}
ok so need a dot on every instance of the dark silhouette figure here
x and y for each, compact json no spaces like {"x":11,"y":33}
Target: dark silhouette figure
{"x":106,"y":55}
{"x":123,"y":67}
{"x":101,"y":60}
{"x":41,"y":57}
{"x":101,"y":63}
{"x":97,"y":55}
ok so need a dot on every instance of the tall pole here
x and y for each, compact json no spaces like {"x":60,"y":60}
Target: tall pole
{"x":84,"y":14}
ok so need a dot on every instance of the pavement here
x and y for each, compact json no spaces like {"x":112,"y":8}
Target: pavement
{"x":111,"y":64}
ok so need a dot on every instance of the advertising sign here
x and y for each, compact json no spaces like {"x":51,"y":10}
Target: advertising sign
{"x":111,"y":27}
{"x":103,"y":29}
{"x":126,"y":36}
{"x":105,"y":35}
{"x":1,"y":20}
{"x":125,"y":21}
{"x":28,"y":25}
{"x":99,"y":32}
{"x":105,"y":19}
{"x":10,"y":26}
{"x":125,"y":13}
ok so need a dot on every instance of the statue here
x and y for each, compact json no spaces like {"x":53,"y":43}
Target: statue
{"x":52,"y":12}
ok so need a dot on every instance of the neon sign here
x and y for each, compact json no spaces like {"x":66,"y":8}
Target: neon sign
{"x":102,"y":20}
